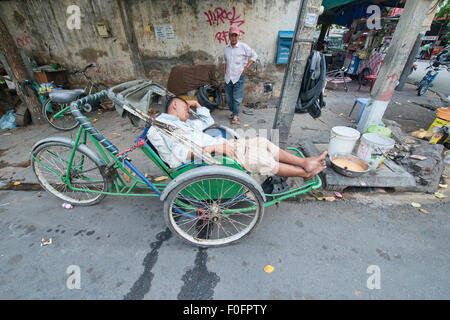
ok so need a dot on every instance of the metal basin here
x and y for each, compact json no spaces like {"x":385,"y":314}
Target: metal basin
{"x":351,"y":160}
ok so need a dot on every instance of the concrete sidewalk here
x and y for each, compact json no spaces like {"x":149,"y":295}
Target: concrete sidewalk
{"x":406,"y":108}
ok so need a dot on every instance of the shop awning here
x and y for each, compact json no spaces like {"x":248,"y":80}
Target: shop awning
{"x":330,"y":4}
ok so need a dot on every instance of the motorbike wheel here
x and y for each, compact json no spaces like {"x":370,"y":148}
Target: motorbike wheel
{"x":422,"y":89}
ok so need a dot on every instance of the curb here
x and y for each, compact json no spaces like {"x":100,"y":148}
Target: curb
{"x":20,"y":187}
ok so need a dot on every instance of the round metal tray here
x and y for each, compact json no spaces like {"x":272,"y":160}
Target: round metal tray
{"x":345,"y":171}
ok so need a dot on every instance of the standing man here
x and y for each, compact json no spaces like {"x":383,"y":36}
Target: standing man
{"x":238,"y":58}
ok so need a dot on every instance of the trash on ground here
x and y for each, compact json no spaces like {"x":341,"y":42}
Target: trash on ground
{"x":16,"y":183}
{"x":126,"y":176}
{"x":46,"y":242}
{"x":418,"y":157}
{"x":443,"y":186}
{"x":66,"y":205}
{"x":416,"y":205}
{"x":329,"y":199}
{"x":161,"y":178}
{"x":421,"y":134}
{"x":8,"y":121}
{"x":439,"y":195}
{"x":269,"y":268}
{"x":339,"y":195}
{"x":424,"y":211}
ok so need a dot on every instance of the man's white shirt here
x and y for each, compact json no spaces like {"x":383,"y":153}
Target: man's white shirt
{"x":236,"y":59}
{"x":171,"y":151}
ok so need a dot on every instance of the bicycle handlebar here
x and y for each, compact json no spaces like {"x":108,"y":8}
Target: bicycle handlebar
{"x":86,"y":124}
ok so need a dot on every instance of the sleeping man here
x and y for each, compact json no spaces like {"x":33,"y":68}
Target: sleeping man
{"x":256,"y":155}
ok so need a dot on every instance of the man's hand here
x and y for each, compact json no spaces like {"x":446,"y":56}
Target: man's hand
{"x":225,"y":149}
{"x":193,"y":104}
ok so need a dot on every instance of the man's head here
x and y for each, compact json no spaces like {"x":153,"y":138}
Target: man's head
{"x":178,"y":107}
{"x":234,"y":34}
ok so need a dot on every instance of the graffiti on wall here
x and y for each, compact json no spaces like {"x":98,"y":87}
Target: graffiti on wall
{"x":220,"y":16}
{"x":24,"y":41}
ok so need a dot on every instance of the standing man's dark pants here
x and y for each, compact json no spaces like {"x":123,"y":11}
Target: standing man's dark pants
{"x":235,"y":94}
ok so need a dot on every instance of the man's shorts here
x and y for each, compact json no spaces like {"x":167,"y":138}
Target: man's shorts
{"x":257,"y":155}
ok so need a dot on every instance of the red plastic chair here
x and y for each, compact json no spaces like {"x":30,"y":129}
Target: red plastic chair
{"x":373,"y":75}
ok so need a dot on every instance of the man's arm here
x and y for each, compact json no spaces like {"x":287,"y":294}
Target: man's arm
{"x":224,"y":148}
{"x":248,"y":66}
{"x":252,"y":58}
{"x":204,"y":117}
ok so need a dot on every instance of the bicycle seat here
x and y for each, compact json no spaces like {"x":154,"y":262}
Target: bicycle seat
{"x":65,"y":96}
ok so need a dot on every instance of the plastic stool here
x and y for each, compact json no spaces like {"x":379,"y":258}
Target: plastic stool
{"x":363,"y":102}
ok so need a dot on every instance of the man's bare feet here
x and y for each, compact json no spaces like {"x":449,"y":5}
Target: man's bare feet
{"x":311,"y":174}
{"x":315,"y":162}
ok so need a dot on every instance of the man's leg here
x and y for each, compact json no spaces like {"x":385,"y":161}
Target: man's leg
{"x":238,"y":95}
{"x":287,"y":170}
{"x":308,"y":164}
{"x":229,"y":95}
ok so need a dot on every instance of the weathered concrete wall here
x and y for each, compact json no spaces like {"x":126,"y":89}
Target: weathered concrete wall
{"x":199,"y":35}
{"x":39,"y":28}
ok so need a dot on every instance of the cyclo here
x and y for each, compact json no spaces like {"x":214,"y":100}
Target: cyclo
{"x":207,"y":203}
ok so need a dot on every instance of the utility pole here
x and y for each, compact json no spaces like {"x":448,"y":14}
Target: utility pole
{"x":300,"y":50}
{"x":409,"y":63}
{"x":12,"y":61}
{"x":401,"y":44}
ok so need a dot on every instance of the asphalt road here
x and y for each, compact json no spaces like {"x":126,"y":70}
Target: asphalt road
{"x":320,"y":250}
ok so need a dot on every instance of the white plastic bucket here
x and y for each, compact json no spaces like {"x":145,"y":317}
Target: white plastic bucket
{"x":374,"y":148}
{"x":342,"y":140}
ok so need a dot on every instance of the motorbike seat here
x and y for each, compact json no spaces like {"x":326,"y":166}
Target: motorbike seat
{"x":65,"y":96}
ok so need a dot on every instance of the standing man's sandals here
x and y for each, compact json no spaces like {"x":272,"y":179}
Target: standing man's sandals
{"x":235,"y":121}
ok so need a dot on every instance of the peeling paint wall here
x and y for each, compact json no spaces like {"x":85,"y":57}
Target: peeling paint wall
{"x":39,"y":28}
{"x":199,"y":35}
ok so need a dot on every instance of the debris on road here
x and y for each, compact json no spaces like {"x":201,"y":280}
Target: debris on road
{"x":269,"y":268}
{"x":46,"y":242}
{"x":66,"y":205}
{"x":439,"y":195}
{"x":339,"y":195}
{"x":416,"y":205}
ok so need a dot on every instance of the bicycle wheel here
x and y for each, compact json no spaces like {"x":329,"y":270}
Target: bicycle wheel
{"x":50,"y":162}
{"x":213,"y":210}
{"x":63,"y":121}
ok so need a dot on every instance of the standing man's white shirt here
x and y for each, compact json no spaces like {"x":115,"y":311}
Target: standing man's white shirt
{"x":236,"y":59}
